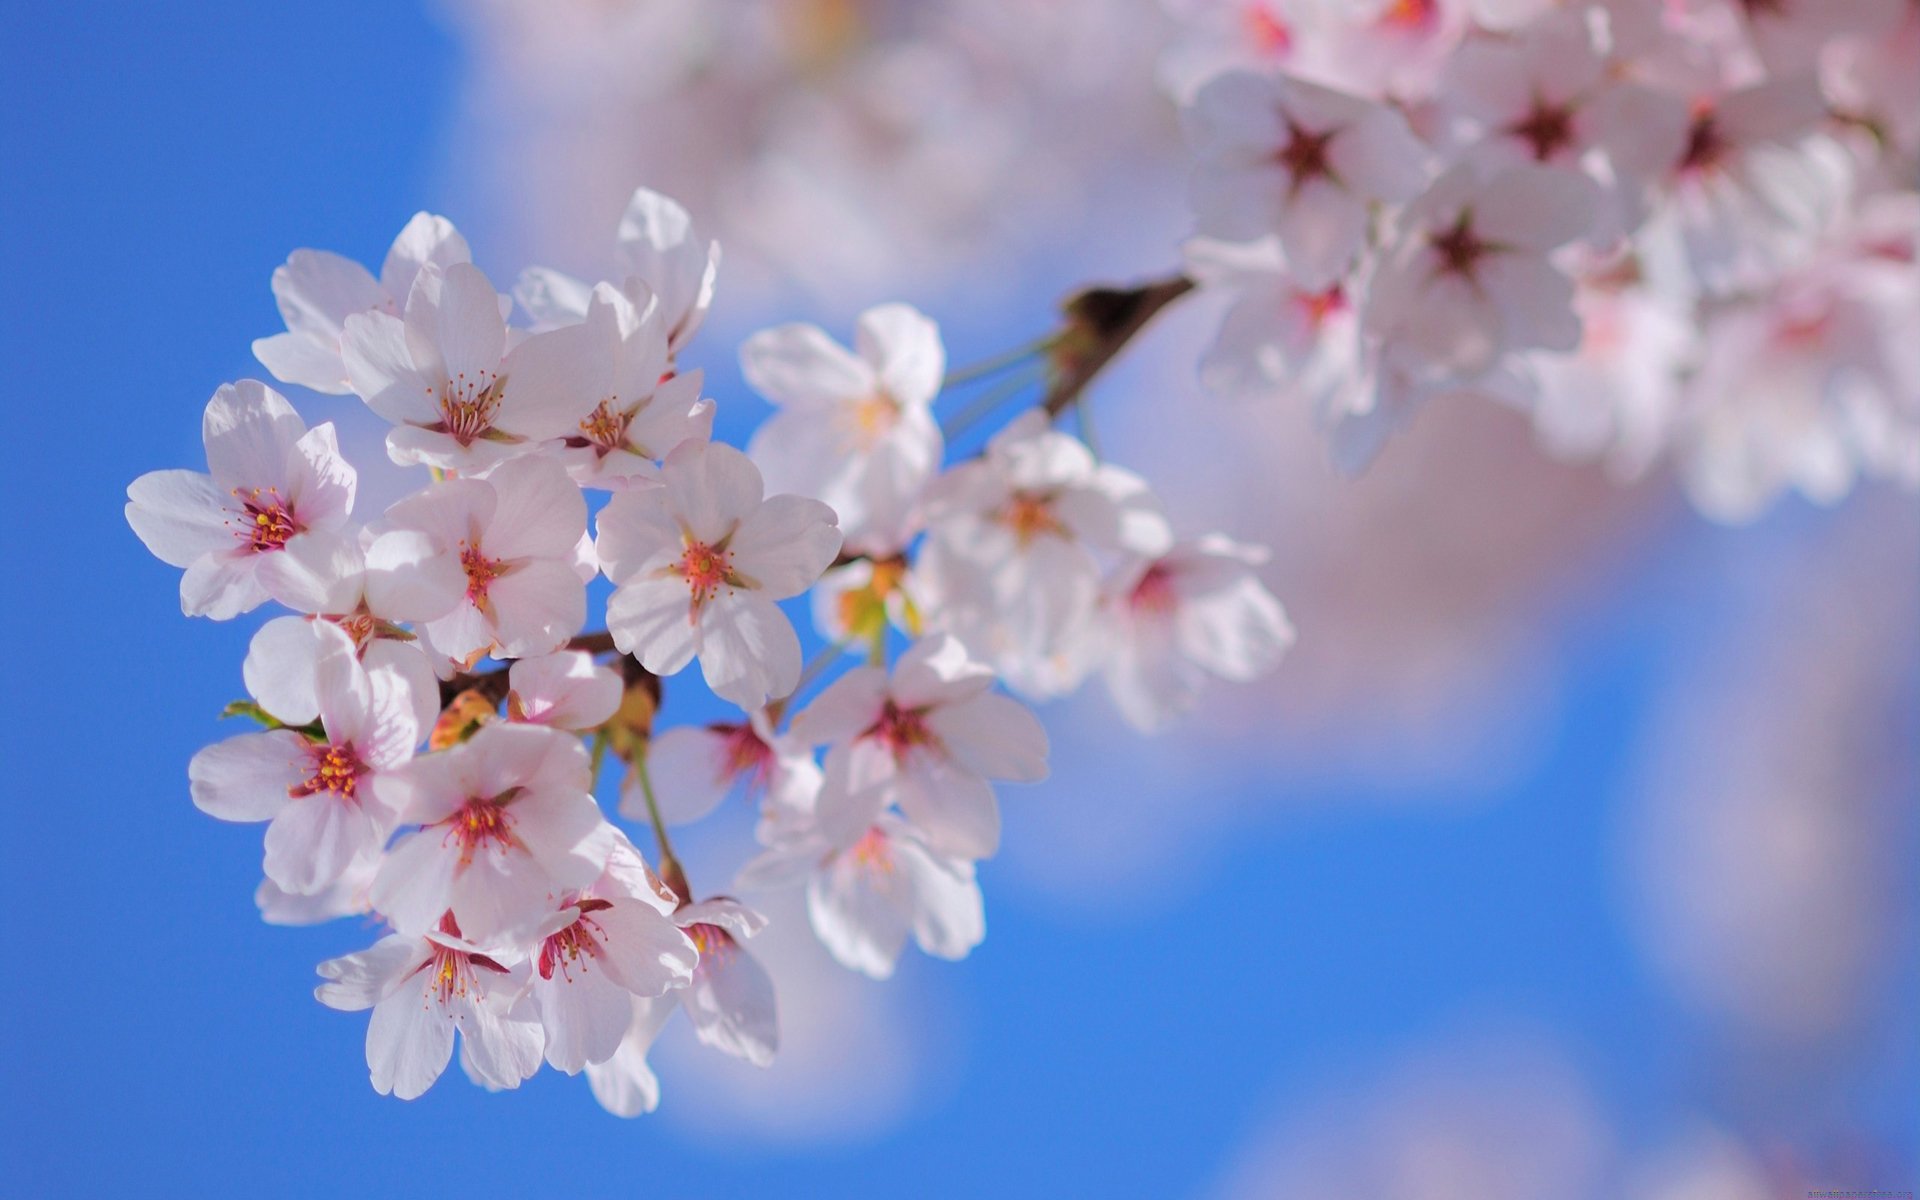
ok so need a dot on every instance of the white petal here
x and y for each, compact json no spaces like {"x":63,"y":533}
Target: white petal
{"x":783,"y":545}
{"x":246,"y":778}
{"x":180,"y":515}
{"x":993,"y":735}
{"x":749,"y":652}
{"x":409,"y":1041}
{"x":800,"y":366}
{"x":250,"y":431}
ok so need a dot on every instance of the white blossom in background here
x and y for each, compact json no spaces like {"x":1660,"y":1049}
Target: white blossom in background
{"x":271,"y":482}
{"x":693,"y":768}
{"x":317,"y":290}
{"x":699,"y":562}
{"x":564,"y":690}
{"x":854,"y":429}
{"x":927,"y":737}
{"x":459,"y":397}
{"x":1197,"y":611}
{"x":730,"y":999}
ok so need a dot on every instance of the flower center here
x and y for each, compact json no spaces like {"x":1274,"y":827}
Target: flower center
{"x":1410,"y":14}
{"x":1547,"y":130}
{"x":1305,"y":154}
{"x":336,"y":770}
{"x":873,"y":852}
{"x":1154,"y":593}
{"x":481,"y":572}
{"x":706,"y":569}
{"x":581,"y":940}
{"x":1460,"y":249}
{"x":1030,"y":515}
{"x":1269,"y":34}
{"x":265,"y":522}
{"x":743,"y":754}
{"x":1706,"y":145}
{"x":714,"y":943}
{"x":467,"y":406}
{"x":481,"y":825}
{"x":1319,"y":306}
{"x":901,"y":729}
{"x":605,"y":428}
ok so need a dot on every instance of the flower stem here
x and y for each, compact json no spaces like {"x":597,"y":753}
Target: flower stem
{"x":986,"y":402}
{"x":999,"y":362}
{"x":671,"y":871}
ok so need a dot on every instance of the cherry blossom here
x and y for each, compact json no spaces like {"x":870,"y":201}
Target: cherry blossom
{"x":659,"y":258}
{"x":928,"y":738}
{"x":563,"y":690}
{"x":645,"y":409}
{"x":866,"y":895}
{"x":1011,"y":565}
{"x":730,"y":998}
{"x":604,"y":947}
{"x":853,"y":429}
{"x":421,"y":987}
{"x":624,"y":1084}
{"x":499,"y":557}
{"x":320,"y":796}
{"x":1282,"y":156}
{"x":692,"y":768}
{"x":855,"y":603}
{"x":459,"y":395}
{"x":699,"y":563}
{"x":506,"y":827}
{"x":271,"y":483}
{"x":318,"y":290}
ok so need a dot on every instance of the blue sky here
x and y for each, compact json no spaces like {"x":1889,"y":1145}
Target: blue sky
{"x":160,"y":160}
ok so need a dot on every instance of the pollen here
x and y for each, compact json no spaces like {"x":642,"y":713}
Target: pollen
{"x":901,"y":729}
{"x":481,"y":825}
{"x":265,"y":522}
{"x":715,"y":944}
{"x":605,"y":428}
{"x":1030,"y":515}
{"x":1410,"y":14}
{"x":481,"y":572}
{"x":870,"y":418}
{"x":571,"y":949}
{"x":873,"y":852}
{"x":468,"y":405}
{"x":335,"y":770}
{"x":706,"y":568}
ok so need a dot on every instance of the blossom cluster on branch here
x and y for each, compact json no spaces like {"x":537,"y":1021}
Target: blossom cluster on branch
{"x":437,"y":722}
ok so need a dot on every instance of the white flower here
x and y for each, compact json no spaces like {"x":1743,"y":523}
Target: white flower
{"x":692,"y":768}
{"x":1469,"y":280}
{"x":699,"y":563}
{"x":1010,"y":565}
{"x":318,"y":795}
{"x":272,"y":483}
{"x":507,"y":827}
{"x":498,"y":558}
{"x":928,"y":739}
{"x":730,"y":999}
{"x":347,"y":896}
{"x":563,"y":690}
{"x":1281,"y":156}
{"x":1198,"y":610}
{"x":421,"y":988}
{"x":866,"y":895}
{"x":318,"y":290}
{"x":624,"y":1084}
{"x":1280,"y":338}
{"x":644,"y":409}
{"x":605,"y":945}
{"x":855,"y":430}
{"x":657,"y":256}
{"x":458,"y":396}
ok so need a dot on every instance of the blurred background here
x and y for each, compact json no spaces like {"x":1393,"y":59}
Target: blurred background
{"x":1571,"y":853}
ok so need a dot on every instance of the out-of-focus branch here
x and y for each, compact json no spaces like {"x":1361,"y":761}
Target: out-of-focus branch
{"x":1100,"y":323}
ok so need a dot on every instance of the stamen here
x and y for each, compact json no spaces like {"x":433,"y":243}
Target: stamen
{"x":1030,"y":515}
{"x":265,"y":522}
{"x":336,"y":770}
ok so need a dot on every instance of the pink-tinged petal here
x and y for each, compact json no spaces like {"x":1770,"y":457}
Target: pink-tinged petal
{"x":381,"y":370}
{"x":565,"y":833}
{"x":858,"y":908}
{"x":564,"y":690}
{"x":725,"y":912}
{"x":954,"y":806}
{"x":1237,"y":632}
{"x":539,"y":511}
{"x":937,"y":670}
{"x":320,"y":482}
{"x":460,"y":635}
{"x":403,"y":668}
{"x":1117,"y":511}
{"x":409,"y":1040}
{"x":179,"y":515}
{"x":652,"y":619}
{"x":993,"y":735}
{"x":358,"y":981}
{"x":246,"y":778}
{"x":537,"y":607}
{"x":860,"y":780}
{"x":343,"y":691}
{"x":624,"y":1085}
{"x":848,"y":706}
{"x":1536,"y":300}
{"x":1321,"y":229}
{"x":322,"y":571}
{"x":250,"y":431}
{"x":222,"y":585}
{"x":470,"y":335}
{"x":317,"y":290}
{"x":1378,"y":156}
{"x":691,"y":769}
{"x":710,"y":488}
{"x":783,"y":545}
{"x":425,"y":239}
{"x":1536,"y":208}
{"x":787,"y":866}
{"x":554,"y":379}
{"x":308,"y":360}
{"x":645,"y":952}
{"x":903,"y":346}
{"x":799,"y":366}
{"x":675,"y":414}
{"x":415,"y":882}
{"x":500,"y":1048}
{"x":749,"y":652}
{"x":1149,"y":680}
{"x":731,"y":1004}
{"x":658,"y":244}
{"x":279,"y":667}
{"x":949,"y":917}
{"x":413,"y":576}
{"x":314,"y":839}
{"x":634,"y":534}
{"x":584,"y":1013}
{"x":551,"y":298}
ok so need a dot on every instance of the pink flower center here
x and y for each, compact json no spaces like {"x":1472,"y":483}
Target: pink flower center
{"x":1268,"y":33}
{"x":467,"y":406}
{"x":901,"y":729}
{"x":1030,"y":515}
{"x":335,"y":770}
{"x":1547,"y":130}
{"x":706,"y":569}
{"x":1706,"y":145}
{"x":563,"y":951}
{"x":481,"y":825}
{"x":715,"y":944}
{"x":1410,"y":14}
{"x":605,"y":429}
{"x":450,"y":972}
{"x":1459,"y":248}
{"x":265,"y":521}
{"x":1319,"y":306}
{"x":873,"y":852}
{"x":481,"y":572}
{"x":1154,"y":593}
{"x":744,"y":755}
{"x":1305,"y":155}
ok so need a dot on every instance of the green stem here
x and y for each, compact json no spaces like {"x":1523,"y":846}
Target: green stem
{"x":983,"y":405}
{"x":999,"y":362}
{"x":670,"y":869}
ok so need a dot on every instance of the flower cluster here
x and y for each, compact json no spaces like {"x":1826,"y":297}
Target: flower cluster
{"x":437,"y":722}
{"x":1683,"y":230}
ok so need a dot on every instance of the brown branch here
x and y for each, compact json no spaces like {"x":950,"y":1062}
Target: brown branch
{"x":1100,"y":323}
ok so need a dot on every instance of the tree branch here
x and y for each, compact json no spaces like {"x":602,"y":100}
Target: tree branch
{"x":1100,"y":323}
